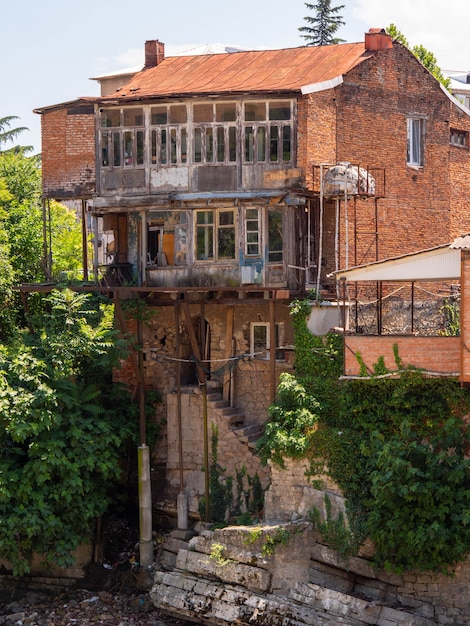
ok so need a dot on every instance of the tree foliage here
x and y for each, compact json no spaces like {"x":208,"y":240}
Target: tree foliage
{"x":8,"y":135}
{"x":423,"y":55}
{"x":64,"y":426}
{"x":322,"y":24}
{"x":22,"y":236}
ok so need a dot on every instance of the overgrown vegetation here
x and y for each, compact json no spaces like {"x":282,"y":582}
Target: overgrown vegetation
{"x":242,"y":502}
{"x":65,"y":428}
{"x":397,"y":447}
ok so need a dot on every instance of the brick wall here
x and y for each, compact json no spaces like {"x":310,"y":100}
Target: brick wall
{"x":434,"y":354}
{"x":363,"y":121}
{"x":68,"y":152}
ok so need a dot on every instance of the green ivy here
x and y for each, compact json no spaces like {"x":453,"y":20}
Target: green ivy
{"x":397,"y":446}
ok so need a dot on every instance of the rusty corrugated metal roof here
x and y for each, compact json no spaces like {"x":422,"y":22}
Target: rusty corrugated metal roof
{"x":263,"y":71}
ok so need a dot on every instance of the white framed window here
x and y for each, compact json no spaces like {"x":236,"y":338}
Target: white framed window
{"x":415,"y":141}
{"x":215,"y":235}
{"x":260,"y":340}
{"x":252,"y":232}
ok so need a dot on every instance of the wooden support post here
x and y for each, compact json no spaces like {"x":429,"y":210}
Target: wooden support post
{"x":228,"y":354}
{"x":272,"y":349}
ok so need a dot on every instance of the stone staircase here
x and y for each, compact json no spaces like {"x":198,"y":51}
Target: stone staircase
{"x":247,"y":433}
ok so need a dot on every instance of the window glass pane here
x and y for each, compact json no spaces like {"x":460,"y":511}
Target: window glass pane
{"x":261,"y":143}
{"x":110,"y":118}
{"x":117,"y":149}
{"x":178,"y":114}
{"x":249,"y":143}
{"x":163,"y":146}
{"x":204,"y":235}
{"x":225,"y":112}
{"x":158,"y":115}
{"x":205,"y":217}
{"x":220,"y":144}
{"x":279,"y":111}
{"x":140,"y":147}
{"x":274,"y":143}
{"x":226,"y":218}
{"x":232,"y":144}
{"x":105,"y":149}
{"x":286,"y":143}
{"x":184,"y":145}
{"x":173,"y":145}
{"x":255,"y":111}
{"x":128,"y":148}
{"x":133,"y":117}
{"x":260,"y":338}
{"x":154,"y":147}
{"x":274,"y":236}
{"x":203,"y":113}
{"x":209,"y":145}
{"x":197,"y":145}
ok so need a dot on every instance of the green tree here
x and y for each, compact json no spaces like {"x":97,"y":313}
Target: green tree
{"x":8,"y":134}
{"x":22,"y":235}
{"x":423,"y":55}
{"x":323,"y":24}
{"x":63,"y":428}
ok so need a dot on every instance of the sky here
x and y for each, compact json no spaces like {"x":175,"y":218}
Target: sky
{"x":49,"y":50}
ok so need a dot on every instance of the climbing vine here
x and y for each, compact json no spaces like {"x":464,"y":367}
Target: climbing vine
{"x":397,"y":446}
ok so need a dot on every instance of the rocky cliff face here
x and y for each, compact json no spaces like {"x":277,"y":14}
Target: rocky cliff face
{"x":279,"y":575}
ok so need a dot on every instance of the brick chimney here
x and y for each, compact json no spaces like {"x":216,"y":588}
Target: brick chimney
{"x":154,"y":53}
{"x":378,"y":39}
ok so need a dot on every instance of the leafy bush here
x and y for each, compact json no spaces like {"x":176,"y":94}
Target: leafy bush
{"x":64,"y":428}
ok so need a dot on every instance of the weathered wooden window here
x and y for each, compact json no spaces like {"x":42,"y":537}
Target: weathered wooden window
{"x":274,"y":236}
{"x":214,"y":132}
{"x":252,"y":232}
{"x":124,"y":145}
{"x":167,"y":238}
{"x":458,"y":137}
{"x":415,"y":141}
{"x":215,"y":235}
{"x":169,"y":134}
{"x":260,"y":340}
{"x":268,"y":131}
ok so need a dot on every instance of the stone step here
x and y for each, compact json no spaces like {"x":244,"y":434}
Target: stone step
{"x":249,"y":433}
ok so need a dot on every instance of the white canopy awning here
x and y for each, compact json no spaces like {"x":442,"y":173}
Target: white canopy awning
{"x":440,"y":263}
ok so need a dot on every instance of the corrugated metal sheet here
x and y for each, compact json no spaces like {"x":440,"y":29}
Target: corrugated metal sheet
{"x":240,"y":72}
{"x":440,"y":263}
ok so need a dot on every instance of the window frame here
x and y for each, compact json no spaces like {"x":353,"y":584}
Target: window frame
{"x":265,"y":354}
{"x":213,"y":235}
{"x":458,"y":138}
{"x":415,"y":129}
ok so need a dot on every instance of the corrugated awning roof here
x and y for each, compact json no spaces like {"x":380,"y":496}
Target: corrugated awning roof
{"x":439,"y":263}
{"x":254,"y":71}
